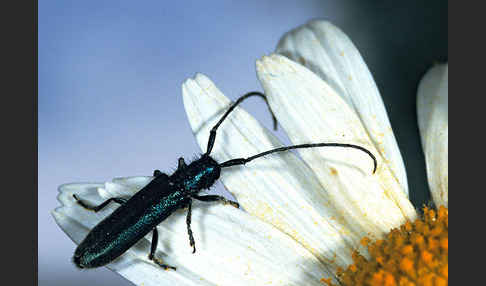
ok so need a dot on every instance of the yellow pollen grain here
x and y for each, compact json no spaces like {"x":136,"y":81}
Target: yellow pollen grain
{"x":333,"y":171}
{"x":406,"y":265}
{"x":417,"y":253}
{"x":407,"y":249}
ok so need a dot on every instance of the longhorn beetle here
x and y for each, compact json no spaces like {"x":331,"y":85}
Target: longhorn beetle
{"x":162,"y":196}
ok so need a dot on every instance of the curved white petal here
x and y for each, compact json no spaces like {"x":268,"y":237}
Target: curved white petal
{"x":310,"y":111}
{"x":278,"y":188}
{"x":327,"y":51}
{"x":433,"y":119}
{"x":233,"y":248}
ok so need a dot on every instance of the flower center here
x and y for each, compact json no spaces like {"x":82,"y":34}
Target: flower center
{"x":417,"y":253}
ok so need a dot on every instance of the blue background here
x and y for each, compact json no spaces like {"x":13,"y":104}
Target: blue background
{"x":110,"y":75}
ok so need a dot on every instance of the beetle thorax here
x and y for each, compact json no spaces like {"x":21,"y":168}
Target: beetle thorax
{"x":200,"y":174}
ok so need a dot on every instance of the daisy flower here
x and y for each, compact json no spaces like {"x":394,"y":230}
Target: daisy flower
{"x":321,"y":218}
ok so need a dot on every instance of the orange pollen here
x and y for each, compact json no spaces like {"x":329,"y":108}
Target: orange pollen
{"x":416,"y":253}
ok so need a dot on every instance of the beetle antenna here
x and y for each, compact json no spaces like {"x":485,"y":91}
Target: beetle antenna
{"x":242,"y":161}
{"x":212,"y":135}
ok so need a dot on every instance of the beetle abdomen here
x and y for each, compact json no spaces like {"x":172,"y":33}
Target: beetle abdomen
{"x":126,"y":226}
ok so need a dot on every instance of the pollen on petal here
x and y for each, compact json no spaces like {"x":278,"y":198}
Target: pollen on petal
{"x":417,"y":253}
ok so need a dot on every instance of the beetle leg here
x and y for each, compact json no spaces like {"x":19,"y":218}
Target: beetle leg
{"x":153,"y":247}
{"x":214,"y":198}
{"x":121,"y":201}
{"x":189,"y":231}
{"x":182,"y":163}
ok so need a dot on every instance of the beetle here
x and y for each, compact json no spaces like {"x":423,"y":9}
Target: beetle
{"x":139,"y":215}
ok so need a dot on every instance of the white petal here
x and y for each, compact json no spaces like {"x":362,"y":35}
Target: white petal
{"x":433,"y":119}
{"x":233,"y":248}
{"x":278,"y":188}
{"x":328,"y":52}
{"x":310,"y":111}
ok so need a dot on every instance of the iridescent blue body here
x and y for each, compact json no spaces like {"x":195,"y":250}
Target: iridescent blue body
{"x":144,"y":211}
{"x":140,"y":215}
